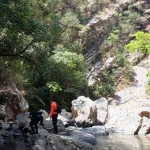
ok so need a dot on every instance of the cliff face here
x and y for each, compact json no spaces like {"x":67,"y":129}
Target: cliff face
{"x":126,"y":16}
{"x":12,"y":102}
{"x":128,"y":111}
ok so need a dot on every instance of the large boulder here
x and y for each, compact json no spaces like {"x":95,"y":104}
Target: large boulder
{"x":83,"y":136}
{"x":67,"y":142}
{"x":22,"y":120}
{"x":84,"y":112}
{"x":123,"y":121}
{"x":46,"y":141}
{"x":87,"y":113}
{"x":14,"y":103}
{"x":95,"y":131}
{"x":102,"y":110}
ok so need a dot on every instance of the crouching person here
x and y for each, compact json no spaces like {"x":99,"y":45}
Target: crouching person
{"x":36,"y":117}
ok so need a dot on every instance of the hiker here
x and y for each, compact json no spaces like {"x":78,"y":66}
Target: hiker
{"x":36,"y":117}
{"x":53,"y":115}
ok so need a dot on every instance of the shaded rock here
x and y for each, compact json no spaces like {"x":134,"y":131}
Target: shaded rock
{"x":1,"y":142}
{"x":66,"y":115}
{"x":102,"y":110}
{"x":83,"y":136}
{"x":96,"y":131}
{"x":145,"y":126}
{"x":15,"y":104}
{"x":49,"y":124}
{"x":13,"y":144}
{"x":46,"y":141}
{"x":44,"y":114}
{"x":22,"y":120}
{"x":3,"y":113}
{"x":66,"y":142}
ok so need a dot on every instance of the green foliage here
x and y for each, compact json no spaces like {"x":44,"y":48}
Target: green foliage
{"x":129,"y":16}
{"x":68,"y":68}
{"x":119,"y":74}
{"x":71,"y":23}
{"x":23,"y":29}
{"x":140,"y":43}
{"x":121,"y":60}
{"x":109,"y":79}
{"x":123,"y":70}
{"x":119,"y":34}
{"x":106,"y":90}
{"x":40,"y":50}
{"x":127,"y":19}
{"x":76,"y":7}
{"x":105,"y":87}
{"x":70,"y":20}
{"x":113,"y":37}
{"x":111,"y":44}
{"x":102,"y":90}
{"x":54,"y":87}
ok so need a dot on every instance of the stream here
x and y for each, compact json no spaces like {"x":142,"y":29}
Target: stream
{"x":123,"y":142}
{"x":111,"y":142}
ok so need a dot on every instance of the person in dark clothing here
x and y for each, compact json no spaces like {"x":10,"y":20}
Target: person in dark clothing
{"x":36,"y":117}
{"x":53,"y":115}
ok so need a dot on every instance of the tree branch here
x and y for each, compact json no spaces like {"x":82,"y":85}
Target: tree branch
{"x":60,"y":34}
{"x":16,"y":54}
{"x":40,"y":100}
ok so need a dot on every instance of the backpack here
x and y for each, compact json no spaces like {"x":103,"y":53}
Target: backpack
{"x":58,"y":109}
{"x":35,"y":114}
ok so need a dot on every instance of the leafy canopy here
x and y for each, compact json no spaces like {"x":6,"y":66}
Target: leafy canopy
{"x":40,"y":49}
{"x":140,"y":43}
{"x":69,"y":68}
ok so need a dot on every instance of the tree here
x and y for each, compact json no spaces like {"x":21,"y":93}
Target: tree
{"x":27,"y":38}
{"x":140,"y":43}
{"x":31,"y":32}
{"x":22,"y":29}
{"x":68,"y":69}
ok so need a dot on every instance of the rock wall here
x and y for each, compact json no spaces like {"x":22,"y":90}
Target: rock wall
{"x":101,"y":25}
{"x":11,"y":99}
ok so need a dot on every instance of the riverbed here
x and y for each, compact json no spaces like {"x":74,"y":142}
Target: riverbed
{"x":123,"y":142}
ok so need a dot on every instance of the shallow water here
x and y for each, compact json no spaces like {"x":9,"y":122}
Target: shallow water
{"x":13,"y":144}
{"x":123,"y":142}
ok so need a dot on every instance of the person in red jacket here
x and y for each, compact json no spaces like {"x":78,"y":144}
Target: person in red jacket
{"x":53,"y":115}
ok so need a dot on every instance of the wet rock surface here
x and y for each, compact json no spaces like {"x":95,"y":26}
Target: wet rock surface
{"x":14,"y":138}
